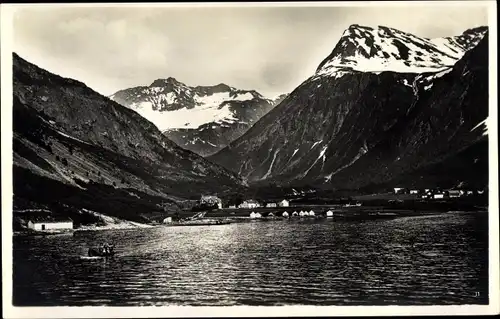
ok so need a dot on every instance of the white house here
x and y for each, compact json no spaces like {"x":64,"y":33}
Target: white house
{"x":329,"y":213}
{"x":271,"y":205}
{"x":285,"y":214}
{"x":255,"y":215}
{"x":414,"y":191}
{"x":249,"y":204}
{"x":49,"y":223}
{"x":398,"y":190}
{"x":311,"y":213}
{"x":284,"y":203}
{"x":167,"y":220}
{"x":438,"y":196}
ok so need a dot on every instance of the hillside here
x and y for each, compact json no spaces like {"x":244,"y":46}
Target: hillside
{"x":353,"y":126}
{"x":74,"y":149}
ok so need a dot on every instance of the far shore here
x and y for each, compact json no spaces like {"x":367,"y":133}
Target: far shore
{"x":123,"y":225}
{"x":243,"y":216}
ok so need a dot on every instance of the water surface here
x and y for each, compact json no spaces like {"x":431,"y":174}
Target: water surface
{"x":426,"y":260}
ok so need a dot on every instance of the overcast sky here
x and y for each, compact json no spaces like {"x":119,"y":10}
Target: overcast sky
{"x":269,"y":49}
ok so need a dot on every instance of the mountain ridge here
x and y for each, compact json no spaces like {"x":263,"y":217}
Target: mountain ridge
{"x":202,"y":119}
{"x":98,"y":153}
{"x":328,"y":125}
{"x":367,"y":49}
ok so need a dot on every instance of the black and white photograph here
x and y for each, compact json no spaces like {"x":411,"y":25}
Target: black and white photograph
{"x":295,"y":157}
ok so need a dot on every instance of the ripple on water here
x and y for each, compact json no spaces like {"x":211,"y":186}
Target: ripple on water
{"x":263,"y":264}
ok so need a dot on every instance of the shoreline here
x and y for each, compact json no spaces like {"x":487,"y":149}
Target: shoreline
{"x":359,"y":215}
{"x":117,"y":226}
{"x":87,"y":228}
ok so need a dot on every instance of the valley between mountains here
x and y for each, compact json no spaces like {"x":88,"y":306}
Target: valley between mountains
{"x":385,"y":108}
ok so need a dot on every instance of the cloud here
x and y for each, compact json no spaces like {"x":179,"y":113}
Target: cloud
{"x":270,"y":49}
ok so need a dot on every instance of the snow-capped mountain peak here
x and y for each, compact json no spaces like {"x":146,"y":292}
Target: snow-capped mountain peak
{"x":187,"y":107}
{"x":220,"y":112}
{"x":367,"y":49}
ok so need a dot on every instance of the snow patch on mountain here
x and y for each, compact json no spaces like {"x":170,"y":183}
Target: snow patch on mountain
{"x":362,"y":151}
{"x":186,"y":118}
{"x":170,"y":104}
{"x":321,"y":156}
{"x":381,"y":49}
{"x":316,"y":143}
{"x":271,"y":166}
{"x":486,"y":124}
{"x":217,"y":98}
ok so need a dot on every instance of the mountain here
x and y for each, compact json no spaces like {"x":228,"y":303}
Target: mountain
{"x":75,"y":149}
{"x":202,"y":119}
{"x":371,"y":118}
{"x":385,"y":49}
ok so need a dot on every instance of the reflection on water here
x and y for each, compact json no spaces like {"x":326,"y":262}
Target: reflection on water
{"x":415,"y":260}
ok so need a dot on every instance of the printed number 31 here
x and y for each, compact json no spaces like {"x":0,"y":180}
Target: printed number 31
{"x":476,"y":294}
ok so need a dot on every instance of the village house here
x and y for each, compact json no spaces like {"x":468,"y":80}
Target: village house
{"x":167,"y":220}
{"x":211,"y":201}
{"x":271,"y":205}
{"x":255,"y":215}
{"x":284,"y":203}
{"x":428,"y":193}
{"x":454,"y":193}
{"x":414,"y":191}
{"x":438,"y":196}
{"x":399,"y":190}
{"x":251,"y":203}
{"x":50,"y":223}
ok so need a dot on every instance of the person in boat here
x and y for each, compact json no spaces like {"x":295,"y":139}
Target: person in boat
{"x":106,"y":248}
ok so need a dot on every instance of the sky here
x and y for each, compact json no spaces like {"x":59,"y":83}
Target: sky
{"x":268,"y":49}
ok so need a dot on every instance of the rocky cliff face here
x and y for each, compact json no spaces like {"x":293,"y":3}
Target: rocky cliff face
{"x":370,"y":115}
{"x":203,"y":119}
{"x":97,"y":153}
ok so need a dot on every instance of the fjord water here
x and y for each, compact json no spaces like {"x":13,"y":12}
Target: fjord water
{"x":424,"y":260}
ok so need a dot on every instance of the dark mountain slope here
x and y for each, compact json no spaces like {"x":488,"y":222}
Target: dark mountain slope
{"x":349,"y":128}
{"x":68,"y":134}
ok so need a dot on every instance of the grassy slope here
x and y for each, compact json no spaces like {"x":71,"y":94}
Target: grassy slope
{"x":118,"y":165}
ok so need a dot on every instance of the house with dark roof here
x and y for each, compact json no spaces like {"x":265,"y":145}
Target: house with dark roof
{"x":50,"y":223}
